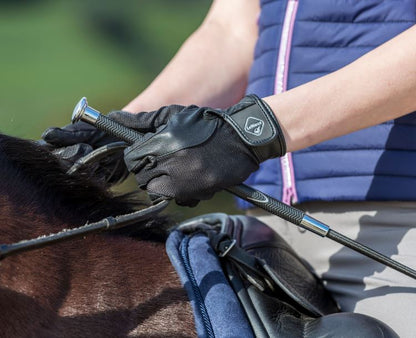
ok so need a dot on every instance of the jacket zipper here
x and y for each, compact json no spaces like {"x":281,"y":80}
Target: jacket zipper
{"x":289,"y":195}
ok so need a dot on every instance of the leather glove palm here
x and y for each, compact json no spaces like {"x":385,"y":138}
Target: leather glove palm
{"x":189,"y":153}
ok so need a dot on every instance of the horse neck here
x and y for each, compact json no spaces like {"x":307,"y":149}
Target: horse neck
{"x":107,"y":284}
{"x":38,"y":273}
{"x":95,"y":285}
{"x":104,"y":284}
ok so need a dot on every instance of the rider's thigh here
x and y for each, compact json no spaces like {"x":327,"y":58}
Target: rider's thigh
{"x":358,"y":283}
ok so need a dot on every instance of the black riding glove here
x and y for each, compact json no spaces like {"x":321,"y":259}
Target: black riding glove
{"x":189,"y":153}
{"x":74,"y":141}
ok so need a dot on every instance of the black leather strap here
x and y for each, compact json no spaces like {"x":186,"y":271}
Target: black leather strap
{"x":257,"y":125}
{"x":248,"y":265}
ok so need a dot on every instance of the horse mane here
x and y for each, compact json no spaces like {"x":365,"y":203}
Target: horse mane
{"x":35,"y":182}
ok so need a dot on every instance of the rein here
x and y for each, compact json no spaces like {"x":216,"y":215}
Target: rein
{"x":106,"y":224}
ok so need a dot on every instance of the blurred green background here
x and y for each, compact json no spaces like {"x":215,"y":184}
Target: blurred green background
{"x":55,"y":52}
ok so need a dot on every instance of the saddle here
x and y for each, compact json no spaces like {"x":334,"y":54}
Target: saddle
{"x":244,"y":280}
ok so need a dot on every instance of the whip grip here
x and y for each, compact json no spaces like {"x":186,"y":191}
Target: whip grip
{"x":116,"y":129}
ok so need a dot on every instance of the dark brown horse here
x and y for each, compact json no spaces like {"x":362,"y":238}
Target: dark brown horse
{"x":104,"y":285}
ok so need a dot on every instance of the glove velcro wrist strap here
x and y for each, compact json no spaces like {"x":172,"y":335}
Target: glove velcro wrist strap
{"x":257,"y":126}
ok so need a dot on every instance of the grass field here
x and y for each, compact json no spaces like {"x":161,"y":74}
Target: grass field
{"x":55,"y":52}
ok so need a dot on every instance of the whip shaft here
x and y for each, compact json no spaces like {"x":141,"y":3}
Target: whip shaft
{"x":89,"y":115}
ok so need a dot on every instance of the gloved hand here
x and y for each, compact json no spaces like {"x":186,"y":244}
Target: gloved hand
{"x":189,"y":153}
{"x":74,"y":141}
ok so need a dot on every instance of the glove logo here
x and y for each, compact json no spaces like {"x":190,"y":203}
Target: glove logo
{"x":254,"y":126}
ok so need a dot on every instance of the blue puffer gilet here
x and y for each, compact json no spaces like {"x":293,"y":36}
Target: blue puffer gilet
{"x":321,"y":36}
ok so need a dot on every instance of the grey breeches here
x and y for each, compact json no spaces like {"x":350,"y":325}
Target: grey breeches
{"x":358,"y":283}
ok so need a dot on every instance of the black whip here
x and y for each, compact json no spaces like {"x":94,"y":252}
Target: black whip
{"x":87,"y":114}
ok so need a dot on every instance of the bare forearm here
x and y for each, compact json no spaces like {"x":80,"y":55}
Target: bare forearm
{"x":211,"y":67}
{"x":378,"y":87}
